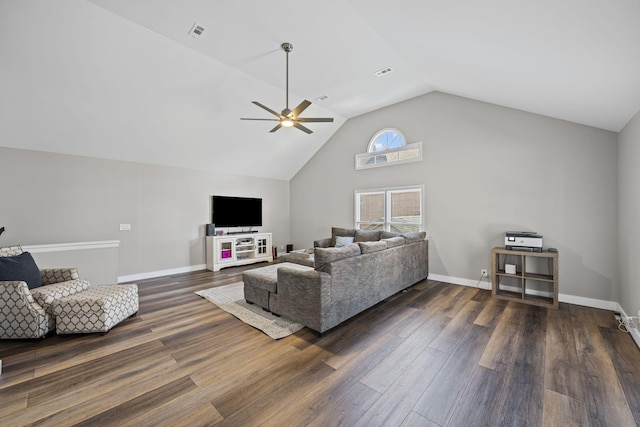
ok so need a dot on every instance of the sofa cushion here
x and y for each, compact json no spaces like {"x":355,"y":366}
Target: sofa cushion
{"x":323,"y":256}
{"x":343,"y":241}
{"x":336,"y":231}
{"x":389,"y":234}
{"x":392,"y":242}
{"x":368,"y":235}
{"x":368,"y":247}
{"x":415,"y":237}
{"x":20,"y":268}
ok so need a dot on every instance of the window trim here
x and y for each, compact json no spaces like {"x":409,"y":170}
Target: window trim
{"x":406,"y":147}
{"x":386,"y":225}
{"x":370,"y":160}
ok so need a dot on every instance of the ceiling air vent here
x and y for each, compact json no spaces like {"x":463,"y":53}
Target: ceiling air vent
{"x":196,"y":31}
{"x":383,"y":72}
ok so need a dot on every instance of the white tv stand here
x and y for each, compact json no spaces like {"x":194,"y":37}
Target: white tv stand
{"x":237,"y":249}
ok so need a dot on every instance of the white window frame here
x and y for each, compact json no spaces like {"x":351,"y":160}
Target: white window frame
{"x":391,"y":157}
{"x":387,"y":202}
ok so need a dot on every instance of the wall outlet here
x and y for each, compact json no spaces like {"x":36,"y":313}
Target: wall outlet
{"x":484,"y":273}
{"x":125,"y":227}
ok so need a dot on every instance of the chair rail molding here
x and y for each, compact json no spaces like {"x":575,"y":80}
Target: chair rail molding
{"x":73,"y":246}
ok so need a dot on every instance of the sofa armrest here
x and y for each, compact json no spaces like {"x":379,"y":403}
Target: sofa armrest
{"x":301,"y":296}
{"x":322,"y":243}
{"x":57,"y":275}
{"x":25,"y":317}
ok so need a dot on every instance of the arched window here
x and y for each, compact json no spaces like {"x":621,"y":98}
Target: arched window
{"x":388,"y":147}
{"x":386,"y":139}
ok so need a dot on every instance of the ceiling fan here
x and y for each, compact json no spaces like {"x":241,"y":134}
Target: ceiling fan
{"x":290,"y":118}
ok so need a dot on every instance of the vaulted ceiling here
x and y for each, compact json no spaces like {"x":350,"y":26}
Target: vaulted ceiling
{"x":124,"y":79}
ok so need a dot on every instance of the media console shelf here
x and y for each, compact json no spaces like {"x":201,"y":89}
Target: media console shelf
{"x":237,"y":249}
{"x":535,"y":280}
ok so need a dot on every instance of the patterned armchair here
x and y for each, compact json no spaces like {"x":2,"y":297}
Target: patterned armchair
{"x":26,"y":313}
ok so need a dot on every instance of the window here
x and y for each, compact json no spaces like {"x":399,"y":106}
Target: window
{"x":388,"y":147}
{"x":392,"y":209}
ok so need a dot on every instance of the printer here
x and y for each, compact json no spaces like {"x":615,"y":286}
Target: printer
{"x":528,"y":241}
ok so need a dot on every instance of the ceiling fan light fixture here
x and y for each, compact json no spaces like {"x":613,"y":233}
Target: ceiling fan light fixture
{"x":286,"y":123}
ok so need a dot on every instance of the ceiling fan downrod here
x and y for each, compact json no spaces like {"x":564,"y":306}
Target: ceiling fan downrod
{"x":287,"y":47}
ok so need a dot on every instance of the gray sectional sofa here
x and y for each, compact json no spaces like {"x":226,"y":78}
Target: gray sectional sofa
{"x":345,"y":280}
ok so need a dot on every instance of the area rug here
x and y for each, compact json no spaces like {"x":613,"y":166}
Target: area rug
{"x":230,"y":298}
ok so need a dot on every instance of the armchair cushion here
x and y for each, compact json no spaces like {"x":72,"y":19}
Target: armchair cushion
{"x":46,"y":295}
{"x":21,"y":268}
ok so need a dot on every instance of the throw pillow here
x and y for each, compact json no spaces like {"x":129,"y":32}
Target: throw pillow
{"x":336,"y":231}
{"x":343,"y":241}
{"x":20,"y":268}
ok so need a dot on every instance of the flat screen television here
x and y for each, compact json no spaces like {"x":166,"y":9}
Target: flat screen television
{"x":236,"y":211}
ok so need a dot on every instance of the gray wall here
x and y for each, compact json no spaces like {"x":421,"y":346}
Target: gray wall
{"x":98,"y":265}
{"x":629,"y":215}
{"x":486,"y":169}
{"x":54,"y":198}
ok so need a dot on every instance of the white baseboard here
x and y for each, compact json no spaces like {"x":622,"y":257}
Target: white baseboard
{"x":570,"y":299}
{"x":152,"y":274}
{"x":484,"y":283}
{"x":589,"y":302}
{"x":634,"y":332}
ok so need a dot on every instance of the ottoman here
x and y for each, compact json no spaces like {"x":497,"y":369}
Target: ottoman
{"x":96,"y":309}
{"x":260,"y":282}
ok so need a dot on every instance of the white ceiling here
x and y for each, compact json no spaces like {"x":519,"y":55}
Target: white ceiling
{"x":122,"y":79}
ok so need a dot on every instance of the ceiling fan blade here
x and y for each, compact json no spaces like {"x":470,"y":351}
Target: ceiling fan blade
{"x":314,"y":119}
{"x":300,"y":108}
{"x":278,"y":126}
{"x":266,"y":108}
{"x":268,"y":120}
{"x":302,"y":128}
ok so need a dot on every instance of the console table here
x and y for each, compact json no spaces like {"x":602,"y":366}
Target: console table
{"x":237,"y":249}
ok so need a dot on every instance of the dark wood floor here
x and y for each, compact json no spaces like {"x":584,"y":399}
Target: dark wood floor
{"x":435,"y":355}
